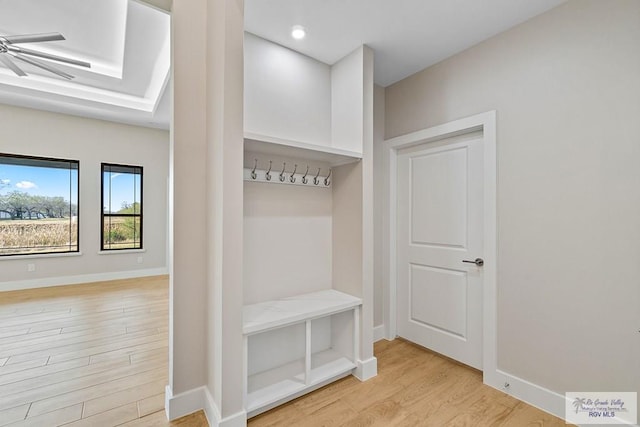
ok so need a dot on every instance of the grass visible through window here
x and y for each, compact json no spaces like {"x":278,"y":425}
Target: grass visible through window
{"x":38,"y":205}
{"x":122,"y":207}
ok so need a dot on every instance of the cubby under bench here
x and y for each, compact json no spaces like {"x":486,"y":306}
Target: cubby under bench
{"x":295,"y":345}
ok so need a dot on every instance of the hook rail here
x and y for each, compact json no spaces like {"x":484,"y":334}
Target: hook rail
{"x":288,"y":177}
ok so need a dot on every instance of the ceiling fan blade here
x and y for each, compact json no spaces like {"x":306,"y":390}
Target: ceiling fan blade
{"x":13,"y":67}
{"x":31,"y":52}
{"x":33,"y":38}
{"x":42,"y":65}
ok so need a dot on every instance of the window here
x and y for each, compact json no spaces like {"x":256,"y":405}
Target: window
{"x":122,"y":207}
{"x":38,"y":205}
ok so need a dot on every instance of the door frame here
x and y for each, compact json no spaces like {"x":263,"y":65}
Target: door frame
{"x":485,"y":122}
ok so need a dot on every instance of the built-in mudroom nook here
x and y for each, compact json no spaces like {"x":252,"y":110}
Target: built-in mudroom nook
{"x":307,"y":245}
{"x":319,"y":213}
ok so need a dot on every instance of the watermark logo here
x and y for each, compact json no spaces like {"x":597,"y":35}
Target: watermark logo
{"x":601,"y":407}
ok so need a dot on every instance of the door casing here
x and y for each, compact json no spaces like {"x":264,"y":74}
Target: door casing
{"x":486,"y":123}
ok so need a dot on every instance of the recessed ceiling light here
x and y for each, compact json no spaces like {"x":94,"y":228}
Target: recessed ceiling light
{"x":298,"y":32}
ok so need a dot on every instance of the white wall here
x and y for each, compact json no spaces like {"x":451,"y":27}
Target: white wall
{"x":566,"y":87}
{"x":225,"y":107}
{"x":39,"y":133}
{"x":290,"y":96}
{"x":353,"y":220}
{"x":287,"y":236}
{"x":206,"y":369}
{"x":346,"y":102}
{"x":286,"y":94}
{"x":188,"y":350}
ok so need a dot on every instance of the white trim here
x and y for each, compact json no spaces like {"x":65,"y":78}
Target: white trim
{"x":35,"y":256}
{"x":121,"y":251}
{"x":487,"y":123}
{"x":446,"y":130}
{"x":366,"y":369}
{"x":331,"y":154}
{"x":45,"y":282}
{"x":167,"y":399}
{"x":533,"y":394}
{"x":528,"y":392}
{"x":158,"y":5}
{"x":392,"y":305}
{"x":378,"y":333}
{"x":198,"y":399}
{"x":185,"y":403}
{"x":210,"y":408}
{"x":490,"y":251}
{"x":239,"y":419}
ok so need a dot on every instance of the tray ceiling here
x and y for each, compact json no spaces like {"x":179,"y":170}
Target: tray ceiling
{"x":127,"y":43}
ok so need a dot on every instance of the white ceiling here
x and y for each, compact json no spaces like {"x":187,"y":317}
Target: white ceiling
{"x":128,"y":44}
{"x":406,"y":35}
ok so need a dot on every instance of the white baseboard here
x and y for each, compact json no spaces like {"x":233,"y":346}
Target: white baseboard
{"x":46,"y":282}
{"x":239,"y":419}
{"x":533,"y":394}
{"x":184,"y":403}
{"x":198,"y":399}
{"x":210,"y":408}
{"x":366,"y":369}
{"x":378,"y":333}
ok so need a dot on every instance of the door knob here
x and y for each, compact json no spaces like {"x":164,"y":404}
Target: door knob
{"x":478,"y":261}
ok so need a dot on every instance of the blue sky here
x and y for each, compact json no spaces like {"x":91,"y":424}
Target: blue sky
{"x":122,"y":189}
{"x":37,"y":181}
{"x":55,"y":182}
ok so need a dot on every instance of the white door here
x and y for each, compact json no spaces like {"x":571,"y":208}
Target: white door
{"x":439,"y":226}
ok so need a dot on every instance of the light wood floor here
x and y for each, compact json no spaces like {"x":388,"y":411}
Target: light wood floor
{"x":414,"y":387}
{"x":85,"y":355}
{"x":96,"y":355}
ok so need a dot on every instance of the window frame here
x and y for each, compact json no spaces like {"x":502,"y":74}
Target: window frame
{"x":133,"y":215}
{"x":77,"y":222}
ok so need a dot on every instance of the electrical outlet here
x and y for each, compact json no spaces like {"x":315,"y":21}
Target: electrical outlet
{"x":140,"y":260}
{"x":31,"y":267}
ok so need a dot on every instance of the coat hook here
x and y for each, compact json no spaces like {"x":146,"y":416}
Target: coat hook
{"x":254,"y":175}
{"x":316,"y":181}
{"x":327,"y":181}
{"x":304,"y":178}
{"x":292,"y":178}
{"x":267,"y":176}
{"x":284,"y":165}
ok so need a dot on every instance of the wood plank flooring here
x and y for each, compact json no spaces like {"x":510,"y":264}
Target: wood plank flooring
{"x":414,"y":387}
{"x":86,"y":355}
{"x":96,"y":355}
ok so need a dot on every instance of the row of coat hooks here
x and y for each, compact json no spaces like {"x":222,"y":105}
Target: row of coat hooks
{"x":292,"y":177}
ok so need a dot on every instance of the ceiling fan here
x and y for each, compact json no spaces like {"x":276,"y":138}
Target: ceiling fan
{"x":8,"y":50}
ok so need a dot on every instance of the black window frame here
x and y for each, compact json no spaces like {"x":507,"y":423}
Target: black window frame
{"x":21,"y":159}
{"x":132,"y":170}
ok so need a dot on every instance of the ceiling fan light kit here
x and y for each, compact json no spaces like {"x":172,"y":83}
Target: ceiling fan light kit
{"x":9,"y":52}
